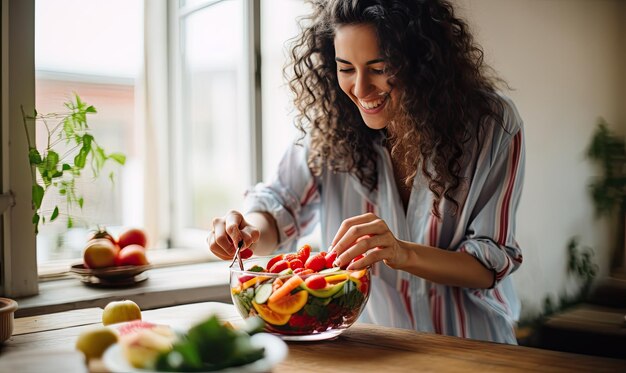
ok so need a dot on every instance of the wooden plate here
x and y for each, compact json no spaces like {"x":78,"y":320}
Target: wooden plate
{"x":112,"y":276}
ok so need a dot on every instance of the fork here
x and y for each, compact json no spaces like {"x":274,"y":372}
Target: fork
{"x":237,"y":256}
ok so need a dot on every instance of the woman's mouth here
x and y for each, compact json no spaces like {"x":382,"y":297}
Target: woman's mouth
{"x":374,"y":106}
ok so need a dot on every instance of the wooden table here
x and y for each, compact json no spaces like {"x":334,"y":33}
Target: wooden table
{"x":42,"y":342}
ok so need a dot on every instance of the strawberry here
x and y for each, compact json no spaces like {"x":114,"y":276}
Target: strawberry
{"x":303,"y":271}
{"x":295,"y":264}
{"x":279,"y":266}
{"x":316,"y":262}
{"x":274,"y":260}
{"x":303,"y":253}
{"x":330,"y":259}
{"x":316,"y":282}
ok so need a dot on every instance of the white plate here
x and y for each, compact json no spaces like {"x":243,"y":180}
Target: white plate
{"x":275,"y":352}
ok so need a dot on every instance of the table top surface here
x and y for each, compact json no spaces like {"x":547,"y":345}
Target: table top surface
{"x":40,"y":341}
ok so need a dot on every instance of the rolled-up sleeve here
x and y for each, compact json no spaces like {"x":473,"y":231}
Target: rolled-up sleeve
{"x":292,"y":198}
{"x":490,"y":235}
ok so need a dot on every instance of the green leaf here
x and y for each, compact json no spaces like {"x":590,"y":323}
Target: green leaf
{"x":52,"y":160}
{"x":90,"y":109}
{"x":81,"y":158}
{"x":81,"y":201}
{"x":66,"y":167}
{"x":55,"y":213}
{"x":37,"y":194}
{"x":118,"y":157}
{"x":33,"y":156}
{"x":70,"y":222}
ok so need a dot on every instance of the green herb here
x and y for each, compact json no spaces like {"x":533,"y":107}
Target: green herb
{"x":211,"y":346}
{"x":256,"y":268}
{"x":60,"y":168}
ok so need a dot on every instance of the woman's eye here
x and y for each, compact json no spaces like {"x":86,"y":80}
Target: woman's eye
{"x":378,"y":71}
{"x":346,"y":70}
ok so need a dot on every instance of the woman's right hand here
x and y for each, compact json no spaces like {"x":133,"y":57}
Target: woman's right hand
{"x":228,"y":231}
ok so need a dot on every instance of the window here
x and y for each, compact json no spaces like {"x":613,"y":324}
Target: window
{"x":177,"y":88}
{"x":80,"y":49}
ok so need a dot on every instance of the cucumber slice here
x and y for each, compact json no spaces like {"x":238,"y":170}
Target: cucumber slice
{"x":262,"y":293}
{"x":326,"y":292}
{"x":330,"y":270}
{"x":287,"y":271}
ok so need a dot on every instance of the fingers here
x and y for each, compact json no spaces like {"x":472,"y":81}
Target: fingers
{"x":355,"y":229}
{"x":348,"y":223}
{"x":228,"y":231}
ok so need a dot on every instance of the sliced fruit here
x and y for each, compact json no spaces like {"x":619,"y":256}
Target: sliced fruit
{"x":279,"y":266}
{"x":286,"y":288}
{"x":295,"y":264}
{"x":262,"y":293}
{"x":316,"y":262}
{"x":330,"y":259}
{"x":254,"y":281}
{"x":330,"y":270}
{"x":328,"y":291}
{"x":316,"y":282}
{"x":270,"y":316}
{"x":333,"y":279}
{"x":284,"y":272}
{"x":303,"y":253}
{"x":289,"y":304}
{"x":274,"y":260}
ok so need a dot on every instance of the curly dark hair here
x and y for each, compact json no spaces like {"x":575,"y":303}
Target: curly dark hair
{"x":447,"y":92}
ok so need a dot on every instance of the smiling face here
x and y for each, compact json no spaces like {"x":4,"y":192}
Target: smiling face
{"x":361,"y":73}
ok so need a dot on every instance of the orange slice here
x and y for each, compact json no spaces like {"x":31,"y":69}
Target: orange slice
{"x":270,"y":316}
{"x":289,"y":304}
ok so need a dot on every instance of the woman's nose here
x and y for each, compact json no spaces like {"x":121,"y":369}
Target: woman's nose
{"x":362,"y":85}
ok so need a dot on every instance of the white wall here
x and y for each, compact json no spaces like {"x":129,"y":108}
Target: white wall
{"x":565,"y":60}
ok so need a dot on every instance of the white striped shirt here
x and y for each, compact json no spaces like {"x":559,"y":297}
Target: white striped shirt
{"x":484,"y":226}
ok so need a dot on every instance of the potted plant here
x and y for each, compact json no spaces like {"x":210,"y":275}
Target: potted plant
{"x":70,"y":147}
{"x":608,"y":191}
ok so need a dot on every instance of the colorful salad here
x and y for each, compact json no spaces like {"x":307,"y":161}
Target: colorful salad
{"x":300,"y":293}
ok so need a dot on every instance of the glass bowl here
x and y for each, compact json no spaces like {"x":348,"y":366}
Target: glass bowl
{"x":295,"y":311}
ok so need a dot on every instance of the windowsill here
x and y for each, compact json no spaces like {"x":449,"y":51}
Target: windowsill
{"x":165,"y":286}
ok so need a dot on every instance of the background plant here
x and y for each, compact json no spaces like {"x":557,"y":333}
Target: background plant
{"x":608,"y":191}
{"x":70,"y":147}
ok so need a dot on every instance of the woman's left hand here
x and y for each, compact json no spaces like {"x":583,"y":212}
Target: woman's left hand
{"x":369,"y":234}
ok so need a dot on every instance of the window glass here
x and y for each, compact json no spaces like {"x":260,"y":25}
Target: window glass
{"x":91,"y":48}
{"x":213,"y":168}
{"x":277,"y":28}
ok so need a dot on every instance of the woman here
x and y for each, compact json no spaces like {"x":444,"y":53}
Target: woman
{"x":410,"y":156}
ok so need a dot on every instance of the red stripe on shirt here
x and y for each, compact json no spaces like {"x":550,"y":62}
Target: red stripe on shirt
{"x":504,"y":213}
{"x":404,"y":288}
{"x":308,"y":195}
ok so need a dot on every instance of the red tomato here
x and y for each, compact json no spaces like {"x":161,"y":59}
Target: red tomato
{"x":316,"y":262}
{"x":316,"y":282}
{"x":279,"y":266}
{"x":303,"y":253}
{"x":273,"y":261}
{"x":295,"y":264}
{"x":133,"y":255}
{"x":330,"y":259}
{"x":133,"y":236}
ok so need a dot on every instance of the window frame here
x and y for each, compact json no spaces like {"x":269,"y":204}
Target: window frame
{"x":189,"y":237}
{"x":18,"y":262}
